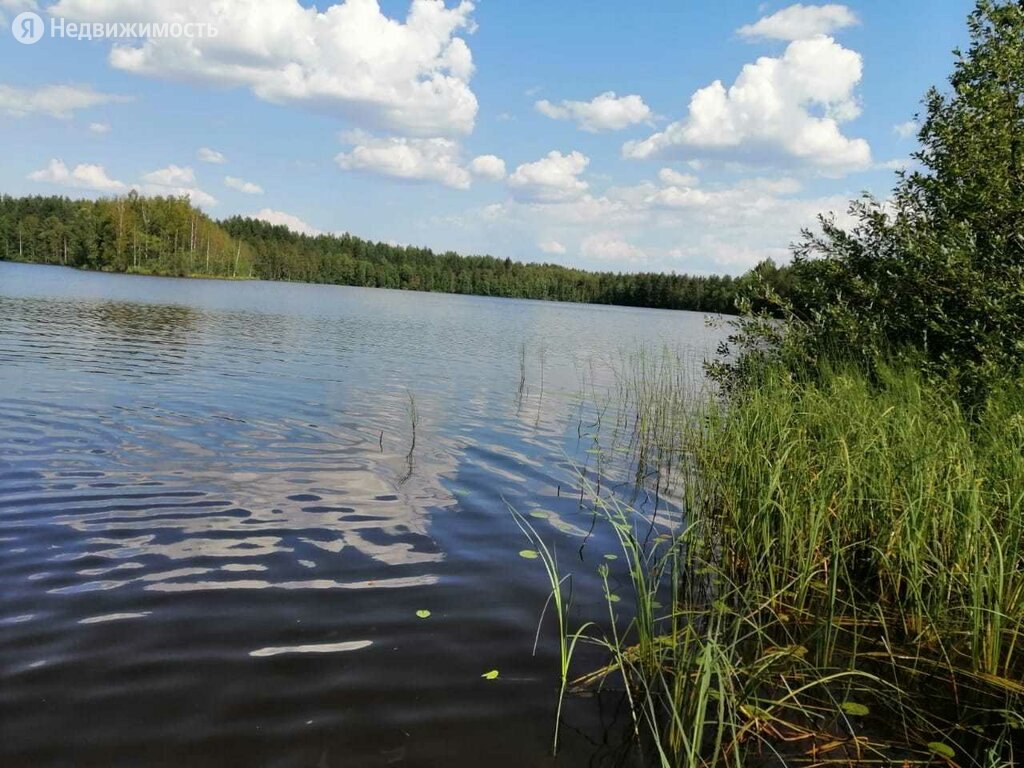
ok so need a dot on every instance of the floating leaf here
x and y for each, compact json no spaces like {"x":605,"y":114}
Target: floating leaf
{"x":613,"y":598}
{"x":854,"y":709}
{"x":611,"y":557}
{"x":942,"y":750}
{"x":423,"y":614}
{"x":492,"y":675}
{"x":529,"y":554}
{"x":540,"y":514}
{"x":568,"y":528}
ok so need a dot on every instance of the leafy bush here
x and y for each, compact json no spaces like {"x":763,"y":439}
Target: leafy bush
{"x":936,"y":273}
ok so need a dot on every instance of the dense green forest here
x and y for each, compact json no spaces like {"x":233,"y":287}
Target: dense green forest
{"x":167,"y":236}
{"x":152,"y":235}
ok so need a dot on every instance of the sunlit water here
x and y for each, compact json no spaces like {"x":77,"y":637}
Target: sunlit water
{"x":214,"y":540}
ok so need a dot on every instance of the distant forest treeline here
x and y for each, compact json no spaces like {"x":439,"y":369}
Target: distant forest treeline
{"x":168,"y":236}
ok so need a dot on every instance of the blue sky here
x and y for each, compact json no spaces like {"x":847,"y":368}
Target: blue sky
{"x":658,"y":135}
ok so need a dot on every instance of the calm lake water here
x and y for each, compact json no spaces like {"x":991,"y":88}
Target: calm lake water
{"x":214,"y":540}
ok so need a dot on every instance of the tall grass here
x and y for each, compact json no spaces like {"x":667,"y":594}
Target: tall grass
{"x":560,"y":601}
{"x":879,"y":494}
{"x":848,"y":586}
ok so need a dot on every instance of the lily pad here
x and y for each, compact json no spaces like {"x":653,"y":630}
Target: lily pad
{"x":529,"y":554}
{"x":423,"y":614}
{"x":540,"y":514}
{"x":611,"y":557}
{"x":568,"y":528}
{"x":492,"y":675}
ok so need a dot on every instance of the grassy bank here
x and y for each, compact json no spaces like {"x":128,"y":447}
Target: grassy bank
{"x":849,"y":584}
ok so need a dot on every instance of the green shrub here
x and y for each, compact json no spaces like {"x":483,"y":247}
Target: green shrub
{"x":936,"y":273}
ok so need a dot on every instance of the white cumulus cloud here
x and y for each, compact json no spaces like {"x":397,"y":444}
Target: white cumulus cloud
{"x":677,"y":197}
{"x":176,"y":181}
{"x":171,"y":176}
{"x":786,"y":109}
{"x":409,"y":76}
{"x":99,"y":128}
{"x":551,"y":246}
{"x":208,"y":155}
{"x":59,"y":101}
{"x":671,"y":222}
{"x":84,"y":176}
{"x":606,"y":112}
{"x":280,"y":218}
{"x":670,"y":176}
{"x":897,"y":164}
{"x":798,"y":22}
{"x":242,"y":185}
{"x":434,"y":159}
{"x":553,"y":178}
{"x":611,"y":247}
{"x":488,"y":167}
{"x":907,"y":129}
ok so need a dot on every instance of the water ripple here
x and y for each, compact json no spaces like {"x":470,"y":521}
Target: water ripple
{"x":207,"y":491}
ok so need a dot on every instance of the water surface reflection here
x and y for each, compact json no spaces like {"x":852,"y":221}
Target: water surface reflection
{"x":216,"y":540}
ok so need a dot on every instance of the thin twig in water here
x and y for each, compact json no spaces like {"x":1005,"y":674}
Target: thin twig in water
{"x":413,"y":418}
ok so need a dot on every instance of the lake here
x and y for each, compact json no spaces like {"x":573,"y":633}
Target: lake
{"x":223,"y":504}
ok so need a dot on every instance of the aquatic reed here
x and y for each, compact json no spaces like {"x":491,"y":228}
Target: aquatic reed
{"x":848,"y":582}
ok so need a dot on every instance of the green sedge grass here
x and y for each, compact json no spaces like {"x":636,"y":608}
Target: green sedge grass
{"x":847,"y":585}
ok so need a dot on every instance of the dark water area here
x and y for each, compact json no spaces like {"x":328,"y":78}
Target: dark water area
{"x":214,"y":539}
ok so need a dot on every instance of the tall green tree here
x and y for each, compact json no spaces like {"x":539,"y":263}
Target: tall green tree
{"x":937,"y":272}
